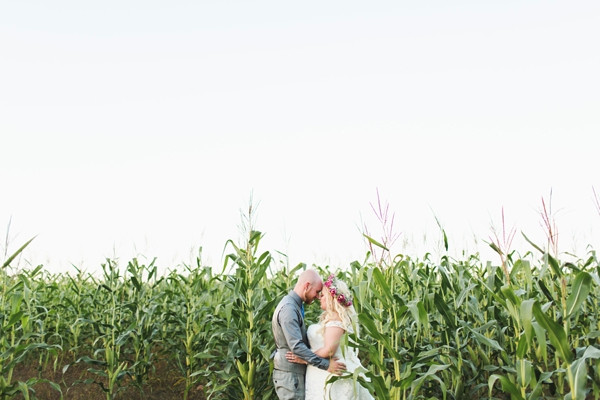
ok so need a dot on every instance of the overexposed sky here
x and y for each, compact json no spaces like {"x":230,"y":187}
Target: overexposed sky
{"x":142,"y":128}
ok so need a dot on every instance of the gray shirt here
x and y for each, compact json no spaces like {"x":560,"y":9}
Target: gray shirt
{"x":289,"y":332}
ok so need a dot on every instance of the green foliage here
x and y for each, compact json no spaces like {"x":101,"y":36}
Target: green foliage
{"x":429,"y":329}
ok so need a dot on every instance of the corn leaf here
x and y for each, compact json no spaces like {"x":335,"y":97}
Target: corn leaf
{"x":375,"y":242}
{"x":16,"y":253}
{"x":556,"y":333}
{"x":579,"y":291}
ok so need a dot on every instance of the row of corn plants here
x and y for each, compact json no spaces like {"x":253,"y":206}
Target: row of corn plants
{"x":525,"y":329}
{"x":443,"y":328}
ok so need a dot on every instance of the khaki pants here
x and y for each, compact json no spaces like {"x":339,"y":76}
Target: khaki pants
{"x":288,"y":385}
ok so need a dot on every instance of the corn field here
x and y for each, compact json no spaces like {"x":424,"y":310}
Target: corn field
{"x":444,"y":328}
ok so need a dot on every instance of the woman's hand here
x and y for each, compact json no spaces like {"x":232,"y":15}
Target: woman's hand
{"x":291,"y":357}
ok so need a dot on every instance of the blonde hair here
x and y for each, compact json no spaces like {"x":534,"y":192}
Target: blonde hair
{"x":334,"y":311}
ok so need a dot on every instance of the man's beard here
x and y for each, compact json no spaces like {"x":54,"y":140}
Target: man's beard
{"x":306,"y":299}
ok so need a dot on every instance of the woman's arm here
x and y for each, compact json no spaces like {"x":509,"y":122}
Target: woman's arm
{"x":332,"y":337}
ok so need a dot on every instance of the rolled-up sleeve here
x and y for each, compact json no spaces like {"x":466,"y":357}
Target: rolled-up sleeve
{"x":289,"y":320}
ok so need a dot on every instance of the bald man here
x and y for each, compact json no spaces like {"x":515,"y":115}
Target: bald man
{"x":289,"y":332}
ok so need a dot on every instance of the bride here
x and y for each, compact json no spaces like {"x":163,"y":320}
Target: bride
{"x":338,"y":319}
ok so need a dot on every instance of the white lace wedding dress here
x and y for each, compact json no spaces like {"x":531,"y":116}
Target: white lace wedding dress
{"x":342,"y":389}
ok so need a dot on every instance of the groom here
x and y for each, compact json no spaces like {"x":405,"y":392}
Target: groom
{"x":289,"y":331}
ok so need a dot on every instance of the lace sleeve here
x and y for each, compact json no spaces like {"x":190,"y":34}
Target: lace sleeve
{"x":336,"y":323}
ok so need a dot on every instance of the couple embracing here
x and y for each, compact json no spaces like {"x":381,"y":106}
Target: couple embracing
{"x":306,"y":358}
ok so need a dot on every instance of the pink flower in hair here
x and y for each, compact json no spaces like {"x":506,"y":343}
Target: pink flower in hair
{"x":343,"y":296}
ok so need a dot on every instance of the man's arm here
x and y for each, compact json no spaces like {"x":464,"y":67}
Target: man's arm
{"x":289,"y":321}
{"x":332,"y":337}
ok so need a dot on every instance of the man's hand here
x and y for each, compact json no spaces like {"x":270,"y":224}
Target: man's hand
{"x":336,"y":367}
{"x":291,"y":357}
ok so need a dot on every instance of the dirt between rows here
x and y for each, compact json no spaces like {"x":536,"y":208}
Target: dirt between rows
{"x":164,"y":383}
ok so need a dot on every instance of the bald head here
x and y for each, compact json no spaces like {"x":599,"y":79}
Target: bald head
{"x":309,"y":286}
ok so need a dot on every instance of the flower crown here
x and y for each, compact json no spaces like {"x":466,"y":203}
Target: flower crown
{"x":343,"y":296}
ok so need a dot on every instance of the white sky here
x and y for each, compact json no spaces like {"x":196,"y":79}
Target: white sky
{"x":142,"y":128}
